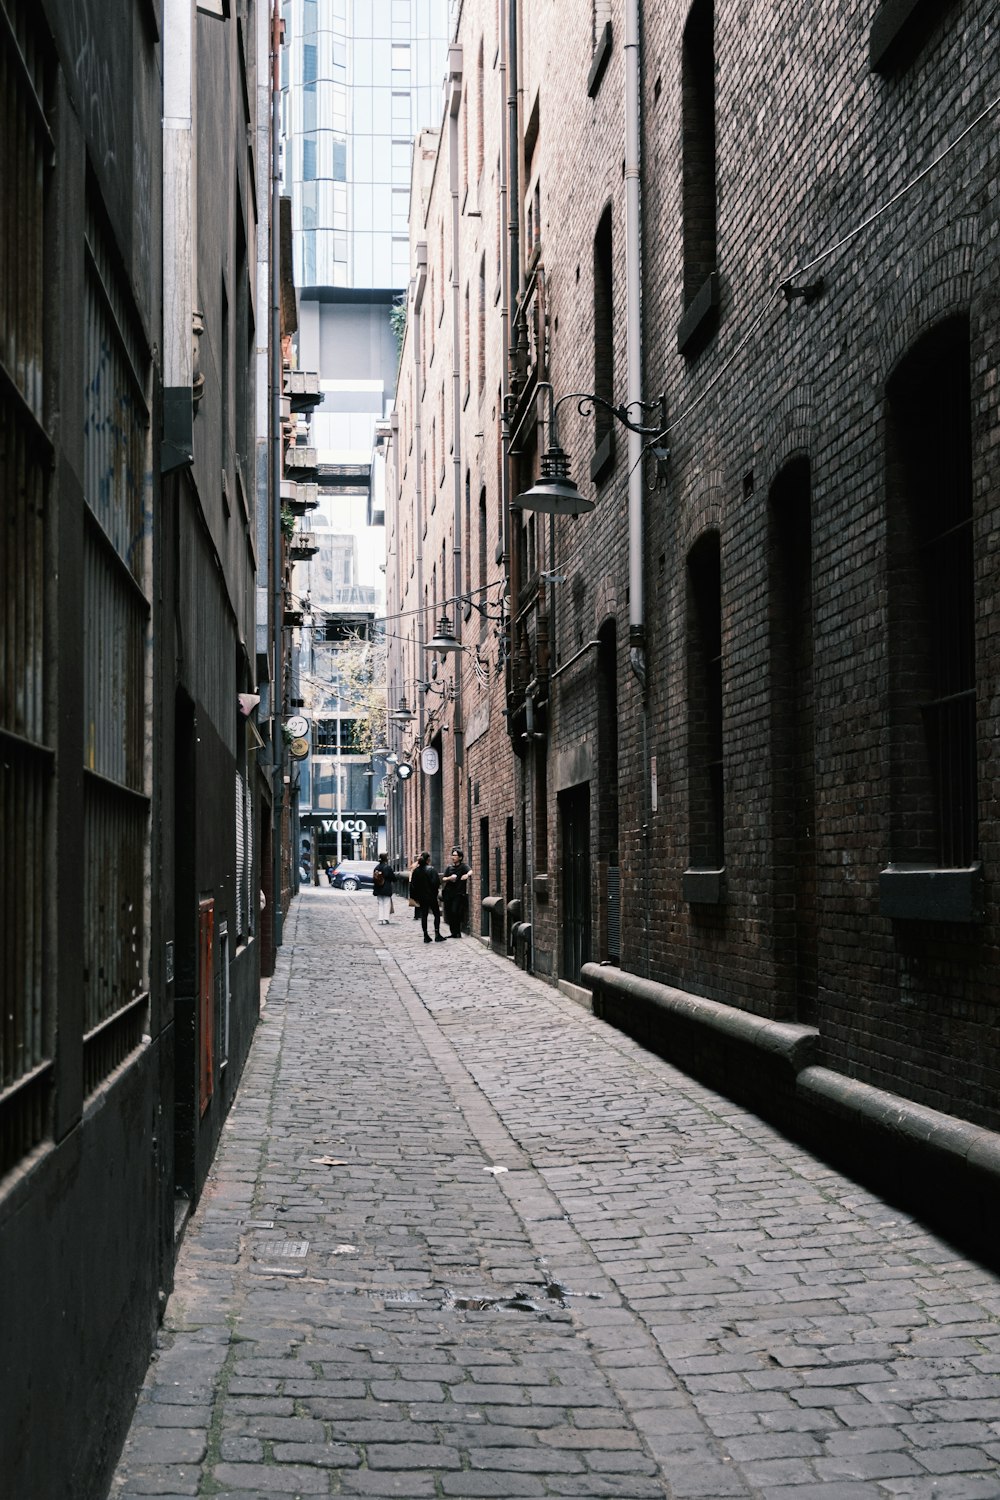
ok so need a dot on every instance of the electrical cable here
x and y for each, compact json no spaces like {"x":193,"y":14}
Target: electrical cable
{"x":803,"y":270}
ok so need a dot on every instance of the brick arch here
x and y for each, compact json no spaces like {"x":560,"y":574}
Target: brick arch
{"x":942,"y":284}
{"x":605,"y":601}
{"x":704,"y":511}
{"x":789,"y":432}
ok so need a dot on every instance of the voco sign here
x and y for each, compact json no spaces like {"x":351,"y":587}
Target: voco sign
{"x":345,"y":825}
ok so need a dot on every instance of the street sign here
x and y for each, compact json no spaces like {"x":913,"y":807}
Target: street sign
{"x":430,"y":761}
{"x":297,"y":726}
{"x":299,"y":748}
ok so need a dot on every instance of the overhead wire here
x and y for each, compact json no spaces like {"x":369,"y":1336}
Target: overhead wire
{"x":804,"y":270}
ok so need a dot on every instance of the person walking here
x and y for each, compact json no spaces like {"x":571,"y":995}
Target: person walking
{"x":424,"y":884}
{"x":413,"y":900}
{"x":455,"y":893}
{"x":382,"y":880}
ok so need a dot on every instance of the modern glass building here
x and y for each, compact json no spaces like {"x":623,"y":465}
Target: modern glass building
{"x":359,"y":79}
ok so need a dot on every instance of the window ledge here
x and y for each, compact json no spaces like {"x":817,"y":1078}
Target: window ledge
{"x":923,"y":893}
{"x":897,"y":31}
{"x":602,"y":53}
{"x":699,"y":317}
{"x":604,"y":456}
{"x":704,"y":887}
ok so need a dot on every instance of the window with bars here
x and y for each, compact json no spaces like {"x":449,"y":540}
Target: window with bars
{"x":26,"y":598}
{"x":604,"y":336}
{"x":116,"y":569}
{"x":704,"y":695}
{"x":932,"y":602}
{"x":699,"y":179}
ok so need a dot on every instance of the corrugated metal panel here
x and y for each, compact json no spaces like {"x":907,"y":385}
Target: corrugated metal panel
{"x":116,"y":654}
{"x":241,"y":854}
{"x":25,"y":148}
{"x":614,"y":911}
{"x":26,"y":760}
{"x":251,"y":891}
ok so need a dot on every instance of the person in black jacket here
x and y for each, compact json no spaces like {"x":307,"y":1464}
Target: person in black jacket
{"x":455,"y":893}
{"x":382,"y":878}
{"x":424,"y":883}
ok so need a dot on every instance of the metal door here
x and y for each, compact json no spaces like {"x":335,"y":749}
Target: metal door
{"x":574,"y":809}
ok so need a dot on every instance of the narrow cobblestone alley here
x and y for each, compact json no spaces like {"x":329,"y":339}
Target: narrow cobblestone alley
{"x":462,"y":1239}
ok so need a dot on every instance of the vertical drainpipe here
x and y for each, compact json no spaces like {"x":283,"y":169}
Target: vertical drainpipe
{"x":419,"y":286}
{"x":504,"y":306}
{"x":179,"y":229}
{"x":516,"y":279}
{"x":277,"y":689}
{"x":454,"y":105}
{"x":633,"y":337}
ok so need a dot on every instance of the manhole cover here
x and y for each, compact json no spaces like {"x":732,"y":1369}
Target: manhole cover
{"x":297,"y":1249}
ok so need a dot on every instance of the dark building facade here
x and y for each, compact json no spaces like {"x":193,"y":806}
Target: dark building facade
{"x":737,"y":743}
{"x":129,"y":790}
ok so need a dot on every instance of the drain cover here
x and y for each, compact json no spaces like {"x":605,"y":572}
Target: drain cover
{"x":295,"y":1248}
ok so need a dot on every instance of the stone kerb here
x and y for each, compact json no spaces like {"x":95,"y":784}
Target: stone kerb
{"x":948,"y":1168}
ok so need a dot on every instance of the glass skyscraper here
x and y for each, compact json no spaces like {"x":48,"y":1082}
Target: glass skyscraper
{"x":359,"y":79}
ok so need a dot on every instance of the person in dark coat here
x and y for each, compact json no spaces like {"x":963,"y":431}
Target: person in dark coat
{"x":455,"y":893}
{"x":382,"y":879}
{"x":424,"y":884}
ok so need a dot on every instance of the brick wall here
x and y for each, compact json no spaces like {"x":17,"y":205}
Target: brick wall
{"x":776,"y":404}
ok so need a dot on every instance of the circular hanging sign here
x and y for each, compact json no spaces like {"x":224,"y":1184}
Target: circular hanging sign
{"x":430,"y":761}
{"x":297,"y":726}
{"x":299,"y":748}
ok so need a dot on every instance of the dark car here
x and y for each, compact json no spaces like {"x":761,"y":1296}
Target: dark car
{"x":354,"y":874}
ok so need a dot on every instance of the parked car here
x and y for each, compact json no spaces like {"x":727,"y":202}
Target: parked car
{"x":354,"y":874}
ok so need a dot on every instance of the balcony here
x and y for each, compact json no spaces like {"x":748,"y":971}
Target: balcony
{"x":299,"y":496}
{"x":303,"y":545}
{"x":301,"y":463}
{"x":302,"y":390}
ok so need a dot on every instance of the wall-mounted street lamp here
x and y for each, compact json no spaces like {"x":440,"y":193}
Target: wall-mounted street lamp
{"x":446,"y":639}
{"x":554,"y":492}
{"x":404,"y":714}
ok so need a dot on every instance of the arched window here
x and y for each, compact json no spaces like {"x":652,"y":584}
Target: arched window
{"x":931,"y":579}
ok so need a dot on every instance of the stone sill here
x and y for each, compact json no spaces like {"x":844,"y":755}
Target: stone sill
{"x":699,"y":317}
{"x":896,"y":29}
{"x":602,"y":53}
{"x":917,"y":893}
{"x":704,"y":887}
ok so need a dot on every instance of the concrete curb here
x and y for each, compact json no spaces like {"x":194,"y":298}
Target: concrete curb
{"x":791,"y":1043}
{"x":945,"y":1168}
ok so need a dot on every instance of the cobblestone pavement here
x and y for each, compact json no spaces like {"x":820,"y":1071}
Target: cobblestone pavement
{"x":462,"y":1239}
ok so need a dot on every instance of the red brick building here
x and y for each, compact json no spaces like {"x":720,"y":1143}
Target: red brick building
{"x":731,"y":731}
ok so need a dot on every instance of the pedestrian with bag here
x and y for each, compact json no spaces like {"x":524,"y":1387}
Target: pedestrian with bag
{"x":382,"y":880}
{"x":424,"y":885}
{"x":413,"y":901}
{"x":455,"y":893}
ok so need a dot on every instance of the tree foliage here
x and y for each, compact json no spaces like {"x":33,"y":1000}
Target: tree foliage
{"x":357,"y":686}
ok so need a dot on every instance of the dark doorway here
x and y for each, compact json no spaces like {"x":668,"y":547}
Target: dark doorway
{"x":484,"y":874}
{"x":792,"y":743}
{"x":574,"y":814}
{"x":185,"y":950}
